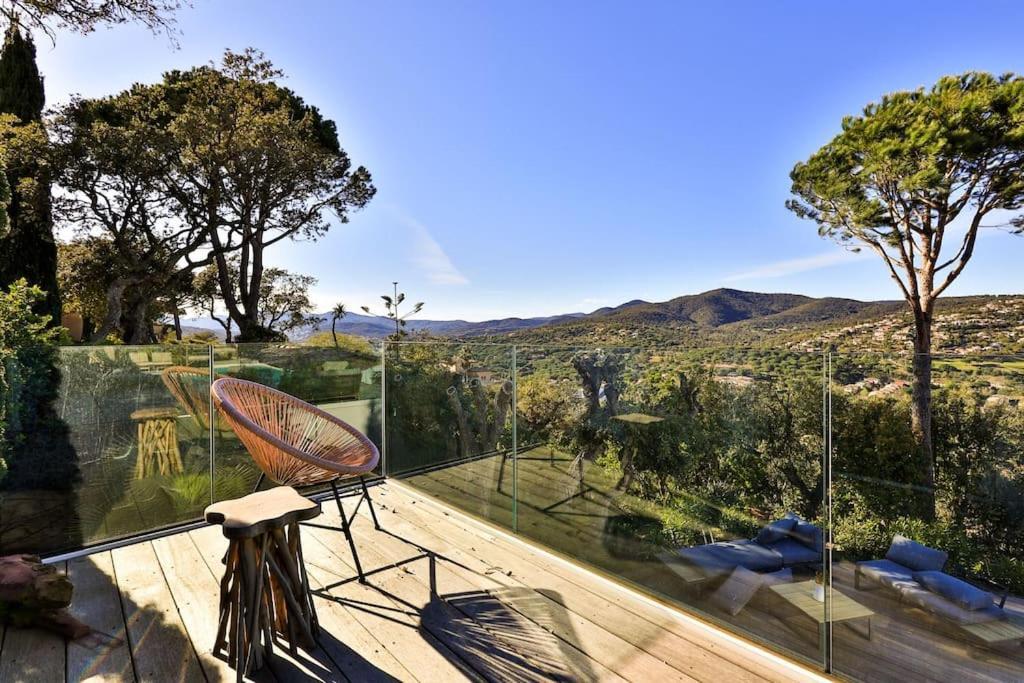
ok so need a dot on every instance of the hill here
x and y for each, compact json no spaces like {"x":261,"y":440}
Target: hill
{"x":731,"y":317}
{"x":377,"y":327}
{"x":728,"y":317}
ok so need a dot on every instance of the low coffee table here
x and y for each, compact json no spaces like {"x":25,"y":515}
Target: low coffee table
{"x":844,"y":608}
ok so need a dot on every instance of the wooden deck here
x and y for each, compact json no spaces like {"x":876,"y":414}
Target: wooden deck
{"x":907,"y":645}
{"x":447,"y":600}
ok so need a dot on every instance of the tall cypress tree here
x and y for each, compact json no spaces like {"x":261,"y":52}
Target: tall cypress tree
{"x":27,"y":248}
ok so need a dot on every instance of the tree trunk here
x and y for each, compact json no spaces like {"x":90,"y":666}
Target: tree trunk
{"x":138,"y":329}
{"x":921,"y":409}
{"x":177,"y":323}
{"x":112,"y":321}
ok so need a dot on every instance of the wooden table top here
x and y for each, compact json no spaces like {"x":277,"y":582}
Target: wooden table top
{"x":801,"y":596}
{"x":155,"y":414}
{"x":253,"y":514}
{"x":638,"y":418}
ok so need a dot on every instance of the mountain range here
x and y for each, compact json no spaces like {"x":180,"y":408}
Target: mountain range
{"x":723,"y":316}
{"x":707,"y":310}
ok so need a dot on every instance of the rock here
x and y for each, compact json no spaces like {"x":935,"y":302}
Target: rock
{"x":35,"y":594}
{"x":26,"y":580}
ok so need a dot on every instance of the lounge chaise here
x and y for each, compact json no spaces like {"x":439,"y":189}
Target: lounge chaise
{"x":785,"y":543}
{"x":915,"y":573}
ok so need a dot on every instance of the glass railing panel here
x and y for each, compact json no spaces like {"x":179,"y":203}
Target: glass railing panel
{"x":663,"y":468}
{"x":344,"y":380}
{"x":932,"y":546}
{"x":449,"y":423}
{"x":115,"y":454}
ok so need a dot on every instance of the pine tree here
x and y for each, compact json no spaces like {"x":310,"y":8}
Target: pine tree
{"x":27,"y":248}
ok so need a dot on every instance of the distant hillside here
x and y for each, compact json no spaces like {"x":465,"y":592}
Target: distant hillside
{"x":730,"y":317}
{"x":709,"y":309}
{"x":378,"y":326}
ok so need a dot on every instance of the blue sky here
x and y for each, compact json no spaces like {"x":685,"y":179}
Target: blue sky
{"x":534,"y":158}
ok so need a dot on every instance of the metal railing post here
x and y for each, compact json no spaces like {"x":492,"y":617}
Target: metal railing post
{"x":384,"y":408}
{"x":212,"y":427}
{"x":515,"y":443}
{"x":826,"y":473}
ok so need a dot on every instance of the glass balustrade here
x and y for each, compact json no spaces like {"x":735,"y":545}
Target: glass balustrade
{"x":782,"y":495}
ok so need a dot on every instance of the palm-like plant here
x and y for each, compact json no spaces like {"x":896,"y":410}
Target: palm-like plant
{"x":391,"y":304}
{"x":337,"y":313}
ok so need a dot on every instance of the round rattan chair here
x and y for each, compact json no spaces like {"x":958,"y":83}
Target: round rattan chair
{"x":191,"y":389}
{"x":297,"y":444}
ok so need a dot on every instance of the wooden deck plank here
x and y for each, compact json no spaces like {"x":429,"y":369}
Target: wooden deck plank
{"x":31,"y":655}
{"x":196,"y":593}
{"x":571,"y":543}
{"x":105,"y":655}
{"x":611,"y":651}
{"x":396,"y":624}
{"x":499,"y":608}
{"x":651,"y":636}
{"x":481,"y":599}
{"x":904,"y":635}
{"x":160,"y":646}
{"x":355,"y":653}
{"x":461,"y":637}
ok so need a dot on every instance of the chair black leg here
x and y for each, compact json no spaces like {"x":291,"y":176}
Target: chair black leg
{"x":369,"y":504}
{"x":263,"y":475}
{"x":348,"y":533}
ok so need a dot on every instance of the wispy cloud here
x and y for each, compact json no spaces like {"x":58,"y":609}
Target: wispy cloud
{"x":799,"y":265}
{"x":430,"y":257}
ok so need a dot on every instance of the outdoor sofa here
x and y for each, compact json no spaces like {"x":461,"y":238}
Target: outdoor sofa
{"x":786,"y":543}
{"x":916,"y":573}
{"x":736,"y":570}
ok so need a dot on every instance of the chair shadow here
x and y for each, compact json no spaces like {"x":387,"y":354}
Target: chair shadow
{"x":504,"y":633}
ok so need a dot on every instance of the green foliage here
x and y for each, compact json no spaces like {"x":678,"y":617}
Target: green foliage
{"x":31,"y":436}
{"x":345,"y":343}
{"x":84,"y":16}
{"x":913,"y":162}
{"x":189,"y":493}
{"x":731,"y":455}
{"x":544,"y":406}
{"x":902,"y":175}
{"x":171,"y":171}
{"x":21,"y":85}
{"x":27,"y":248}
{"x":392,"y":305}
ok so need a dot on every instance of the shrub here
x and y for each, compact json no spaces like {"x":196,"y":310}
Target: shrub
{"x":28,"y":386}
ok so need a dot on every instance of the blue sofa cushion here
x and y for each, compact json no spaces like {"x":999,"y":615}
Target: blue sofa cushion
{"x":775,"y":531}
{"x":940,"y":606}
{"x":794,"y":552}
{"x":914,"y":556}
{"x":722,"y":558}
{"x":888,"y":574}
{"x":808,"y":534}
{"x":953,"y":589}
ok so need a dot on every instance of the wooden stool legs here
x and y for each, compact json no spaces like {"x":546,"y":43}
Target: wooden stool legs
{"x":264,"y":594}
{"x":158,"y":448}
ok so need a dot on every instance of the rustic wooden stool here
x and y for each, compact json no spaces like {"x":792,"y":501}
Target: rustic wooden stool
{"x":158,"y":442}
{"x":265,"y":589}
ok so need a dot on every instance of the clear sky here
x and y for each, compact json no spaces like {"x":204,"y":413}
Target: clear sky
{"x":534,"y":158}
